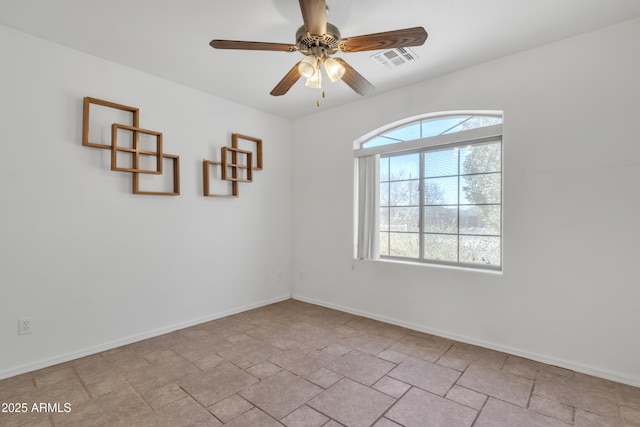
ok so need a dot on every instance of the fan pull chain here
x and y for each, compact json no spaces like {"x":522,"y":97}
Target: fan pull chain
{"x":319,"y":85}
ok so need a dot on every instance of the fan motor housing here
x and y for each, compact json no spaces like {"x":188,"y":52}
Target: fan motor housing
{"x":323,"y":46}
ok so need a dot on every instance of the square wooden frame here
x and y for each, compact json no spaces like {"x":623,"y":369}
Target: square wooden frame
{"x":135,"y":119}
{"x":176,"y":179}
{"x":207,"y":176}
{"x":234,"y":165}
{"x":135,"y":151}
{"x":234,"y":143}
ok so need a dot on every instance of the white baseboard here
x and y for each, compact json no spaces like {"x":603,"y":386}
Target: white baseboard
{"x":589,"y":370}
{"x":29,"y":367}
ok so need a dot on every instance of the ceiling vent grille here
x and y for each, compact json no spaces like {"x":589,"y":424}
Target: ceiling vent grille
{"x":393,"y":58}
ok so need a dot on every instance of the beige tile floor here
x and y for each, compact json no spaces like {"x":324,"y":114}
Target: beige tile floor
{"x":297,"y":364}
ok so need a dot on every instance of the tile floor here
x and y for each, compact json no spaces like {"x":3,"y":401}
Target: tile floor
{"x":297,"y":364}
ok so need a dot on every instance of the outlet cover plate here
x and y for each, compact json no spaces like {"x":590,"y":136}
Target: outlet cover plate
{"x":24,"y":325}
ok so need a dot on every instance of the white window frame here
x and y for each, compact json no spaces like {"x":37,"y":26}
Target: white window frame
{"x":367,"y":177}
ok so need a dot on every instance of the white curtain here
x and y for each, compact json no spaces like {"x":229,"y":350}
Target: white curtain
{"x":368,"y":207}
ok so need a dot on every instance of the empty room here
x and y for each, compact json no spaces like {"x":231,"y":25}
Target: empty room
{"x":319,"y":213}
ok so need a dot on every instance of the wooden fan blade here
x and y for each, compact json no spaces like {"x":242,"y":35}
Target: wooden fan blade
{"x":354,"y":80}
{"x":235,"y":44}
{"x":287,"y":82}
{"x":415,"y":36}
{"x":314,"y":14}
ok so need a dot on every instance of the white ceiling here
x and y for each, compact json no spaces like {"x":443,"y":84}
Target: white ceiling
{"x":170,"y":38}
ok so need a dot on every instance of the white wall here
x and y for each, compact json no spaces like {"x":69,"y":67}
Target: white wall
{"x":569,"y":291}
{"x":96,"y":266}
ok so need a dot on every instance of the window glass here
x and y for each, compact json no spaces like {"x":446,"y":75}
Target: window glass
{"x":406,"y":166}
{"x":384,"y":169}
{"x":441,"y":247}
{"x":404,"y":245}
{"x":441,"y":219}
{"x":480,"y":250}
{"x":441,"y":163}
{"x":441,"y":200}
{"x":384,"y":193}
{"x":384,"y":218}
{"x":483,"y":220}
{"x":438,"y":126}
{"x":405,"y":133}
{"x":384,"y":244}
{"x":404,"y":219}
{"x":441,"y":191}
{"x":480,"y":189}
{"x":475,"y":122}
{"x":431,"y":127}
{"x":480,"y":158}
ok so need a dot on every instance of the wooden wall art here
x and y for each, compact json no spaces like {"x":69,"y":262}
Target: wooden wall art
{"x":237,"y":165}
{"x":236,"y":139}
{"x":140,"y":155}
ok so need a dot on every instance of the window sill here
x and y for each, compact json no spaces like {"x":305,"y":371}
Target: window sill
{"x":429,"y":265}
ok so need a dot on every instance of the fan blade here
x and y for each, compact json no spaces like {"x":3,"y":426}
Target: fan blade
{"x":287,"y":81}
{"x":235,"y":44}
{"x":354,"y":80}
{"x":314,"y":14}
{"x":415,"y":36}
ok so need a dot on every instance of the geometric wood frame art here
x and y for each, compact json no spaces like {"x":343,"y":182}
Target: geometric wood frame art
{"x":232,"y":170}
{"x":258,"y":143}
{"x":176,"y":179}
{"x":237,"y":165}
{"x":135,"y":150}
{"x":135,"y":119}
{"x":206,"y":167}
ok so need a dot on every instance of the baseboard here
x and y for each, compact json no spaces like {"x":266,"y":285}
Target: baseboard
{"x":29,"y":367}
{"x":589,"y":370}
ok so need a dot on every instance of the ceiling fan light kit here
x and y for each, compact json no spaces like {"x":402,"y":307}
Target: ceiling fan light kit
{"x":334,"y":69}
{"x":318,"y":40}
{"x":315,"y":81}
{"x":307,"y":67}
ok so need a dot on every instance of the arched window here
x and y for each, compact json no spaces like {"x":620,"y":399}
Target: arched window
{"x":430,"y":190}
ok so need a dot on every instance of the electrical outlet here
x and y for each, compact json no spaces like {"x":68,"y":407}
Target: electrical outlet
{"x":24,"y":325}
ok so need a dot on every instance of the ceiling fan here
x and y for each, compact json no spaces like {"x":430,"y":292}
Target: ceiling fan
{"x":318,"y":40}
